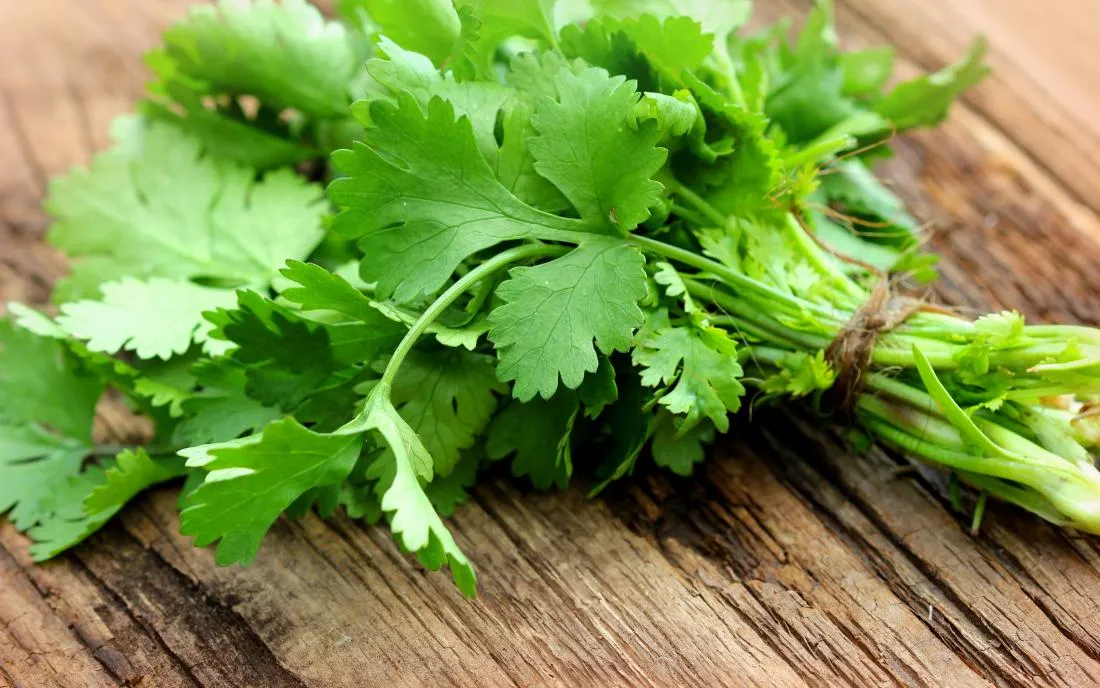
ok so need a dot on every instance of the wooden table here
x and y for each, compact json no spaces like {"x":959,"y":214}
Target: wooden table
{"x":785,"y":562}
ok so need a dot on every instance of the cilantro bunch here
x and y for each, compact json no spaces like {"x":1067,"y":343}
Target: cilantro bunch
{"x":544,"y":242}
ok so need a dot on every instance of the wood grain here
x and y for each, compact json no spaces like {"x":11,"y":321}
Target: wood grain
{"x":786,"y":562}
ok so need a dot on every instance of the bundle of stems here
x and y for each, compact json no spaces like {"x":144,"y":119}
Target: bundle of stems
{"x":1001,"y":404}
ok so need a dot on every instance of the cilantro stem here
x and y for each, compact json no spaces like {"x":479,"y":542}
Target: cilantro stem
{"x":688,"y":214}
{"x":731,"y":278}
{"x":490,"y":266}
{"x":153,"y":450}
{"x":695,"y":200}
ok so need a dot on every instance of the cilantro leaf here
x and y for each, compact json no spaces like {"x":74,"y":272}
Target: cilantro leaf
{"x":677,"y":450}
{"x":672,"y":45}
{"x":158,"y":208}
{"x":34,"y":465}
{"x":413,"y":519}
{"x":429,"y":27}
{"x":538,"y":433}
{"x":250,"y":482}
{"x":867,"y":71}
{"x":447,"y":493}
{"x":675,"y":115}
{"x":285,"y":54}
{"x":924,"y":101}
{"x":852,"y":186}
{"x":585,"y":147}
{"x":629,"y":425}
{"x":375,"y":331}
{"x":156,"y":318}
{"x":552,"y":313}
{"x":222,"y":410}
{"x":447,"y":398}
{"x":501,"y":19}
{"x":41,"y":384}
{"x":743,"y":183}
{"x":534,"y":74}
{"x":131,"y":472}
{"x":285,"y":356}
{"x":62,"y":522}
{"x":801,"y":373}
{"x":413,"y":73}
{"x":720,"y":17}
{"x":423,"y":199}
{"x":674,"y":285}
{"x":598,"y":389}
{"x":699,"y":367}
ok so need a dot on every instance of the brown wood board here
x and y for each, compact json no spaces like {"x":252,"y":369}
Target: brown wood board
{"x":786,"y":561}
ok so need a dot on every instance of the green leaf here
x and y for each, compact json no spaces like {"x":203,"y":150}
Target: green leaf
{"x":535,"y":74}
{"x":1002,"y":329}
{"x":228,"y":133}
{"x":598,"y":389}
{"x":413,"y":519}
{"x":158,"y":207}
{"x":801,"y":373}
{"x":447,"y":398}
{"x":319,"y":289}
{"x":585,"y":147}
{"x":672,"y":45}
{"x":63,"y":523}
{"x":602,"y":43}
{"x":811,"y":103}
{"x":429,"y":27}
{"x":380,"y":332}
{"x":409,"y":72}
{"x":449,"y":492}
{"x":222,"y":411}
{"x":699,"y":367}
{"x":676,"y":450}
{"x":552,"y":313}
{"x":719,"y":17}
{"x":132,"y":472}
{"x":41,"y":384}
{"x":538,"y":434}
{"x":423,"y":199}
{"x":360,"y":502}
{"x":925,"y":100}
{"x":503,"y":19}
{"x":675,"y":115}
{"x":851,"y":185}
{"x":674,"y":285}
{"x":285,"y":54}
{"x":34,"y":466}
{"x":164,"y":383}
{"x":629,"y":425}
{"x":250,"y":482}
{"x":285,"y":356}
{"x":155,"y":318}
{"x":867,"y":71}
{"x":745,"y":182}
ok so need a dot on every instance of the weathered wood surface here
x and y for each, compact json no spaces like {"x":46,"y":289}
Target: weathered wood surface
{"x":785,"y":562}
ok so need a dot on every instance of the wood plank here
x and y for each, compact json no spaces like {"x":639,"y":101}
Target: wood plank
{"x":786,"y":562}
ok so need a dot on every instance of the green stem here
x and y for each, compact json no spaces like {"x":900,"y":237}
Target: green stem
{"x":109,"y":449}
{"x":690,"y":215}
{"x":695,"y":200}
{"x":825,"y":264}
{"x":732,"y":278}
{"x":497,"y":262}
